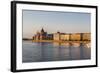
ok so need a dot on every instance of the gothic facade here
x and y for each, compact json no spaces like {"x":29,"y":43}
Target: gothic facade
{"x":42,"y":35}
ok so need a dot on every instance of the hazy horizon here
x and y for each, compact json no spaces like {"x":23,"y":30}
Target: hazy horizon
{"x":65,"y":22}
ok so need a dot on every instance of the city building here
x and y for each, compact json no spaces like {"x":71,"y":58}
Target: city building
{"x":76,"y":36}
{"x":56,"y":36}
{"x":49,"y":37}
{"x":61,"y":36}
{"x":64,"y":37}
{"x":86,"y":37}
{"x":42,"y":35}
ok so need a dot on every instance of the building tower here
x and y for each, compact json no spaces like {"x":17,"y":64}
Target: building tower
{"x":43,"y":34}
{"x":42,"y":30}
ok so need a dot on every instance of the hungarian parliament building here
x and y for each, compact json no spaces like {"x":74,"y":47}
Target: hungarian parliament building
{"x":58,"y":36}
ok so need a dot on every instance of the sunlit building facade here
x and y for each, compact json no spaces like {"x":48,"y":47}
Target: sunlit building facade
{"x":65,"y":37}
{"x":76,"y":37}
{"x":42,"y":35}
{"x":56,"y":36}
{"x":86,"y":36}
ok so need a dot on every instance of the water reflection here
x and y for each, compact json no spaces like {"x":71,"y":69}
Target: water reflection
{"x":41,"y":52}
{"x":60,"y":44}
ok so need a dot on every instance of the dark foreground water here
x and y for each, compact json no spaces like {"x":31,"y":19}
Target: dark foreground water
{"x":42,"y":52}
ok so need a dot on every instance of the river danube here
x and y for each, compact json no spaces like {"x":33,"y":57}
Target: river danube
{"x":43,"y":52}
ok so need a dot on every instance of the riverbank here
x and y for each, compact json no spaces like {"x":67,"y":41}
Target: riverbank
{"x":60,"y":41}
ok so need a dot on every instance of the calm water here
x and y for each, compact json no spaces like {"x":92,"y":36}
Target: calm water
{"x":41,"y":52}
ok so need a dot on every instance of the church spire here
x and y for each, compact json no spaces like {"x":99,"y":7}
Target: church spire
{"x":42,"y":30}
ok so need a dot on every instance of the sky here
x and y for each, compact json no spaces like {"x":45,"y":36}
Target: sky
{"x":52,"y":21}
